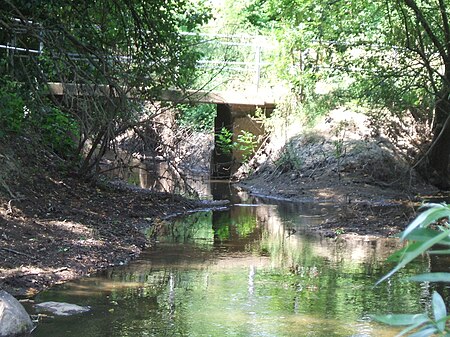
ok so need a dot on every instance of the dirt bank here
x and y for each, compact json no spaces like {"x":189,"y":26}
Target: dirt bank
{"x":362,"y":209}
{"x":363,"y":168}
{"x":54,"y":228}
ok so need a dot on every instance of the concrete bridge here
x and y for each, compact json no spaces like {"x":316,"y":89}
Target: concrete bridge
{"x":234,"y":112}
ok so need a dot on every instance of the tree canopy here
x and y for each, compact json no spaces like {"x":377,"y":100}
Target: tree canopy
{"x":393,"y":54}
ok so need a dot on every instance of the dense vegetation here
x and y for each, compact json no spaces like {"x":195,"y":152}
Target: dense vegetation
{"x":393,"y":55}
{"x":107,"y":53}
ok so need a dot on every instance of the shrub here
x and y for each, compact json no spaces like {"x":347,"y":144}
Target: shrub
{"x":224,"y":141}
{"x":247,"y":143}
{"x":59,"y":131}
{"x":12,"y":108}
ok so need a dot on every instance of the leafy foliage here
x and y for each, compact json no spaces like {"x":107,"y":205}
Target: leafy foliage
{"x":246,"y":143}
{"x":60,"y":131}
{"x":106,"y":53}
{"x":12,"y":108}
{"x":224,"y":141}
{"x":429,"y":229}
{"x":198,"y":117}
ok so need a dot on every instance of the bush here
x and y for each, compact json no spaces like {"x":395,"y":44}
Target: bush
{"x":59,"y":131}
{"x":51,"y":126}
{"x":12,"y":108}
{"x":288,"y":159}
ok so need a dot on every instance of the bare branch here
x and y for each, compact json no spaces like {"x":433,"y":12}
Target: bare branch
{"x":445,"y":24}
{"x":426,"y":26}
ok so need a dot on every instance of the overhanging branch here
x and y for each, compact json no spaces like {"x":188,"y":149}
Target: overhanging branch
{"x":426,"y":26}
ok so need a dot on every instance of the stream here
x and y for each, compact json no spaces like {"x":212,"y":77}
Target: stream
{"x":250,"y":270}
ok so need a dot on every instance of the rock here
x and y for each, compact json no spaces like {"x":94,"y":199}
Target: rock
{"x":14,"y":319}
{"x":61,"y":308}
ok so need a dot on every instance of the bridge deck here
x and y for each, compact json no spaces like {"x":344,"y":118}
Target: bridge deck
{"x":177,"y":96}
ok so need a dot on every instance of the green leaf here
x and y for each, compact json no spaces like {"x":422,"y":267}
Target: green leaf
{"x":424,"y":234}
{"x":399,"y":254}
{"x":439,"y":252}
{"x":402,"y":319}
{"x":439,"y":311}
{"x":425,"y":332}
{"x":436,"y":212}
{"x":409,"y":256}
{"x":412,"y":327}
{"x":431,"y":277}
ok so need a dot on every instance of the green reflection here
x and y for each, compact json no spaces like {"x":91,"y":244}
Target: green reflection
{"x":196,"y":229}
{"x":242,"y":272}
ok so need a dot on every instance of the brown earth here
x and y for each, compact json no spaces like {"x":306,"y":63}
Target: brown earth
{"x":363,"y":208}
{"x":54,"y":227}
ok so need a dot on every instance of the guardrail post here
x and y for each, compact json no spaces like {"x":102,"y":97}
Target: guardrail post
{"x":41,"y":42}
{"x":257,"y":65}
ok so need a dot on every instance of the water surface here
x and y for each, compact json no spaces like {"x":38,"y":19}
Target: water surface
{"x":247,"y":271}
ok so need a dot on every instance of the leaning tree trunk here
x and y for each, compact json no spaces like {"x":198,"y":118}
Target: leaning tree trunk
{"x":438,"y":156}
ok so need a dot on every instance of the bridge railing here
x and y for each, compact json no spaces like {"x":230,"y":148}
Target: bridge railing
{"x":228,"y":63}
{"x":237,"y":61}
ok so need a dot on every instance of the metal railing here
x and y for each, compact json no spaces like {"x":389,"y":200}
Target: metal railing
{"x":237,"y":59}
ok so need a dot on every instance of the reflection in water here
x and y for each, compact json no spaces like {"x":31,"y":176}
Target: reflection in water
{"x":163,"y":177}
{"x":248,"y":271}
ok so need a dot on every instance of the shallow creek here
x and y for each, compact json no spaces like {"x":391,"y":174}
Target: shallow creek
{"x":251,"y":270}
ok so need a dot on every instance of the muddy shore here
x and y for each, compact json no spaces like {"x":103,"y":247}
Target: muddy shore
{"x":54,"y":230}
{"x":364,"y":207}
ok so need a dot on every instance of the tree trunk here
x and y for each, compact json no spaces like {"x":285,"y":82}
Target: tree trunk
{"x":438,"y":157}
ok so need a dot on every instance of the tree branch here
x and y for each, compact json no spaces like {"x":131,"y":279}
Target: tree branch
{"x":426,"y":26}
{"x":445,"y":24}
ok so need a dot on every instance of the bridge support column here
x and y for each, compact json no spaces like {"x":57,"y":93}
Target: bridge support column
{"x":222,"y":160}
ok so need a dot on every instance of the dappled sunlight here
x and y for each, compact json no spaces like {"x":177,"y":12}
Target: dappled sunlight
{"x":88,"y":242}
{"x":72,"y":227}
{"x":31,"y":269}
{"x":95,"y":286}
{"x":328,"y":194}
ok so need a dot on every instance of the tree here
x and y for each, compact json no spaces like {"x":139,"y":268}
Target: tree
{"x":114,"y":54}
{"x":426,"y":31}
{"x":404,"y":48}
